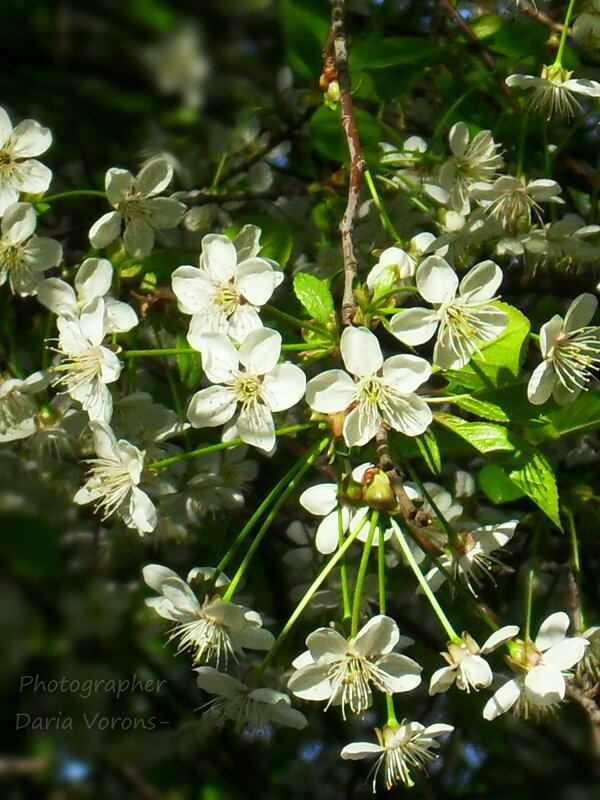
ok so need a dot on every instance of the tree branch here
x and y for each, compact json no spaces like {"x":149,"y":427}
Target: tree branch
{"x":336,"y":44}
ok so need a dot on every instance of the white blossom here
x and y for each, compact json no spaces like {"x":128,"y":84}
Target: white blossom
{"x":542,"y":667}
{"x":226,"y":292}
{"x":93,"y":280}
{"x":138,"y":207}
{"x":462,"y":312}
{"x":113,"y":482}
{"x":466,"y":666}
{"x":214,"y":630}
{"x":18,"y":409}
{"x":261,"y":387}
{"x":87,"y":365}
{"x":400,"y":749}
{"x":24,"y":256}
{"x":554,"y":92}
{"x":471,"y":161}
{"x":571,"y":350}
{"x":510,"y":200}
{"x":20,"y":171}
{"x":383,"y":392}
{"x":341,"y":671}
{"x":250,"y":709}
{"x":394,"y":268}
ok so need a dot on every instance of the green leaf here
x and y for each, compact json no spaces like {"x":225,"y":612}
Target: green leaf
{"x":482,"y":408}
{"x":190,"y":364}
{"x":580,"y":416}
{"x":315,"y":296}
{"x":538,"y":481}
{"x":328,"y":136}
{"x":378,"y":53}
{"x":304,"y":31}
{"x":428,"y":447}
{"x":500,"y":361}
{"x":483,"y":436}
{"x":486,"y":25}
{"x":495,"y":483}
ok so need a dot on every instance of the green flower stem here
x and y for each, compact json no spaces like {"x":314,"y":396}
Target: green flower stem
{"x":292,"y":479}
{"x":529,"y":603}
{"x":159,"y":351}
{"x":347,"y":611}
{"x":214,"y":448}
{"x":310,"y":592}
{"x":381,"y":572}
{"x":386,"y":222}
{"x":447,"y":399}
{"x":362,"y":572}
{"x":73,"y":193}
{"x":575,"y":568}
{"x":390,"y":293}
{"x":453,"y":636}
{"x":391,"y":711}
{"x":535,"y":337}
{"x":297,"y":323}
{"x":564,"y":34}
{"x":307,"y":346}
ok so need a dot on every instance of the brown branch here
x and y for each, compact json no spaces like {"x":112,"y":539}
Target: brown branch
{"x":336,"y":42}
{"x":482,"y":53}
{"x":539,"y":16}
{"x":586,"y":701}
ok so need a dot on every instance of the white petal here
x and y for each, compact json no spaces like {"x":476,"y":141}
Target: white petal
{"x":580,"y":312}
{"x":499,"y":637}
{"x":503,"y":700}
{"x":194,"y":289}
{"x":211,"y":407}
{"x":405,"y":373}
{"x":544,"y":685}
{"x":92,"y":321}
{"x":283,"y":386}
{"x":255,"y":426}
{"x":93,"y":278}
{"x":474,"y":671}
{"x":120,"y":316}
{"x":361,"y":424}
{"x":541,"y":383}
{"x":441,"y":680}
{"x":379,"y":635}
{"x":361,"y":352}
{"x":320,"y":499}
{"x":18,"y":222}
{"x":358,"y":750}
{"x":311,"y":683}
{"x":138,"y":238}
{"x":402,"y":673}
{"x":326,"y":642}
{"x":331,"y":392}
{"x":164,"y":213}
{"x":32,"y":176}
{"x":117,"y":185}
{"x":214,"y":682}
{"x":219,"y":357}
{"x":414,"y":326}
{"x":5,"y":127}
{"x":142,"y":513}
{"x":436,"y":280}
{"x":410,"y":414}
{"x":155,"y":575}
{"x":154,"y":177}
{"x":327,"y":538}
{"x":105,"y":230}
{"x":566,"y":654}
{"x":260,"y":351}
{"x":219,"y":257}
{"x":552,"y":630}
{"x":256,"y":281}
{"x":481,"y":282}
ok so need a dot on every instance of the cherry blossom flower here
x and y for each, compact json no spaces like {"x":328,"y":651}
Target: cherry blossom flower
{"x":400,"y":749}
{"x":462,"y":312}
{"x":20,"y":171}
{"x":466,"y":666}
{"x":383,"y":393}
{"x":554,"y":92}
{"x":87,"y":366}
{"x":23,"y":256}
{"x":571,"y":350}
{"x":214,"y":630}
{"x":18,"y":409}
{"x":251,"y":710}
{"x":542,"y":667}
{"x":113,"y":482}
{"x":394,"y":268}
{"x":262,"y":387}
{"x":341,"y":670}
{"x":93,"y":279}
{"x":510,"y":200}
{"x":472,"y":161}
{"x":137,"y":207}
{"x":225,"y":293}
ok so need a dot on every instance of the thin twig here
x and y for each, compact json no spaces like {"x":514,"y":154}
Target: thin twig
{"x":197,"y":198}
{"x":539,"y":16}
{"x":336,"y":42}
{"x":586,"y":701}
{"x":482,"y":53}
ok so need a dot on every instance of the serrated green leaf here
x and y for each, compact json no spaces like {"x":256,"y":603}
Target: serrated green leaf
{"x":428,"y":447}
{"x":189,"y":364}
{"x":495,"y":483}
{"x":483,"y":436}
{"x":483,"y":409}
{"x":580,"y":416}
{"x":500,"y":361}
{"x":315,"y":297}
{"x":538,"y":481}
